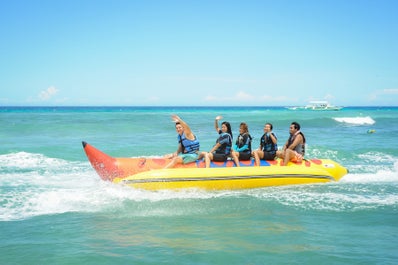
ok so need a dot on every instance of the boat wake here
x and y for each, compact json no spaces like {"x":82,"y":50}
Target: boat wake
{"x":34,"y":185}
{"x":356,"y":120}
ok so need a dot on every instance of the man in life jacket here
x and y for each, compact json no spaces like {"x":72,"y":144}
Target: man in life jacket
{"x":188,"y":144}
{"x":294,"y":149}
{"x":268,"y":145}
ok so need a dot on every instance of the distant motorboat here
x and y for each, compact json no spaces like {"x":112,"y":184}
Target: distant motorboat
{"x":317,"y":105}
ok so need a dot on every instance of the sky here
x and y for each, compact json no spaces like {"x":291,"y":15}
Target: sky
{"x":198,"y":53}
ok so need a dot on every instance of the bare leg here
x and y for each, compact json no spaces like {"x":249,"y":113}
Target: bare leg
{"x":208,"y":158}
{"x":202,"y":155}
{"x":287,"y":157}
{"x":280,"y":154}
{"x":174,"y":161}
{"x":256,"y":154}
{"x":235,"y":157}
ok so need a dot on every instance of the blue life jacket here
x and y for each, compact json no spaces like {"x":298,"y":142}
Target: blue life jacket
{"x":267,"y":144}
{"x":188,"y":146}
{"x":244,"y":143}
{"x":225,"y":140}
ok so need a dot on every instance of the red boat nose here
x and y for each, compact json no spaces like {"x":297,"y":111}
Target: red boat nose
{"x":105,"y":165}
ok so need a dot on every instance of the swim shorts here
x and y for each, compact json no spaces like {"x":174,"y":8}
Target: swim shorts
{"x":244,"y":156}
{"x":189,"y":158}
{"x":268,"y":156}
{"x":297,"y":158}
{"x":219,"y":157}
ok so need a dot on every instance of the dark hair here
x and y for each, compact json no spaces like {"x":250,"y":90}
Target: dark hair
{"x":296,"y":125}
{"x":270,"y":125}
{"x":228,"y":128}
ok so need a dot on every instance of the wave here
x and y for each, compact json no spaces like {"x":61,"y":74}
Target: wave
{"x":24,"y":160}
{"x":381,"y":175}
{"x":356,"y":120}
{"x":37,"y":185}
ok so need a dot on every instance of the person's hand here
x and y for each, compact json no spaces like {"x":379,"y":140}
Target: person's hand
{"x":219,"y":117}
{"x":175,"y":118}
{"x":168,"y":156}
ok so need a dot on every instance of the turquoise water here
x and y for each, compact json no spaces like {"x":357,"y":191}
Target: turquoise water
{"x":54,"y":209}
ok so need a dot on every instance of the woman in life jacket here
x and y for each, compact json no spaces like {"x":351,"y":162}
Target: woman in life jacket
{"x":188,"y":144}
{"x":223,"y":147}
{"x":294,"y":149}
{"x":268,"y":145}
{"x":243,"y":145}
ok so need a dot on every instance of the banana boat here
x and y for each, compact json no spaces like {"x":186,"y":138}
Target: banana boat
{"x":148,"y":173}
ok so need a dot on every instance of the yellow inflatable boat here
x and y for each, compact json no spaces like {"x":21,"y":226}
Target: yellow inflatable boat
{"x":148,"y":173}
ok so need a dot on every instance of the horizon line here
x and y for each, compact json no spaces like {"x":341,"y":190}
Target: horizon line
{"x":183,"y":106}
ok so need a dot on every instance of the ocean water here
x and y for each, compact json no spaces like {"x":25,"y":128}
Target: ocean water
{"x":54,"y":209}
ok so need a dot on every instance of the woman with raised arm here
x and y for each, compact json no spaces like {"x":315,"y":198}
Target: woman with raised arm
{"x":223,"y":147}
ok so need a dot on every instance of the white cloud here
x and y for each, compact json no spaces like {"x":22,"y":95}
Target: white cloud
{"x":48,"y":93}
{"x":382,"y":92}
{"x":391,"y":91}
{"x":4,"y":100}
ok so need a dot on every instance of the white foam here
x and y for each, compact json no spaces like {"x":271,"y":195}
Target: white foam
{"x":381,"y":175}
{"x":331,"y":196}
{"x":24,"y":160}
{"x":54,"y":186}
{"x":36,"y":185}
{"x":373,"y":167}
{"x":356,"y":120}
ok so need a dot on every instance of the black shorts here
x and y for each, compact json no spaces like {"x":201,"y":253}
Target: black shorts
{"x":269,"y":156}
{"x":219,"y":157}
{"x":244,"y":156}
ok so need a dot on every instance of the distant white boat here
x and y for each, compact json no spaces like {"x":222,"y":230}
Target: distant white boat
{"x":317,"y":105}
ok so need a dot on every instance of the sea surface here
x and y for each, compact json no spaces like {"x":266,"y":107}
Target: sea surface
{"x":54,"y":209}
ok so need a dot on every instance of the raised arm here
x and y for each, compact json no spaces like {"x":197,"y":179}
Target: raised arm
{"x":216,"y":123}
{"x":273,"y":138}
{"x":187,"y":129}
